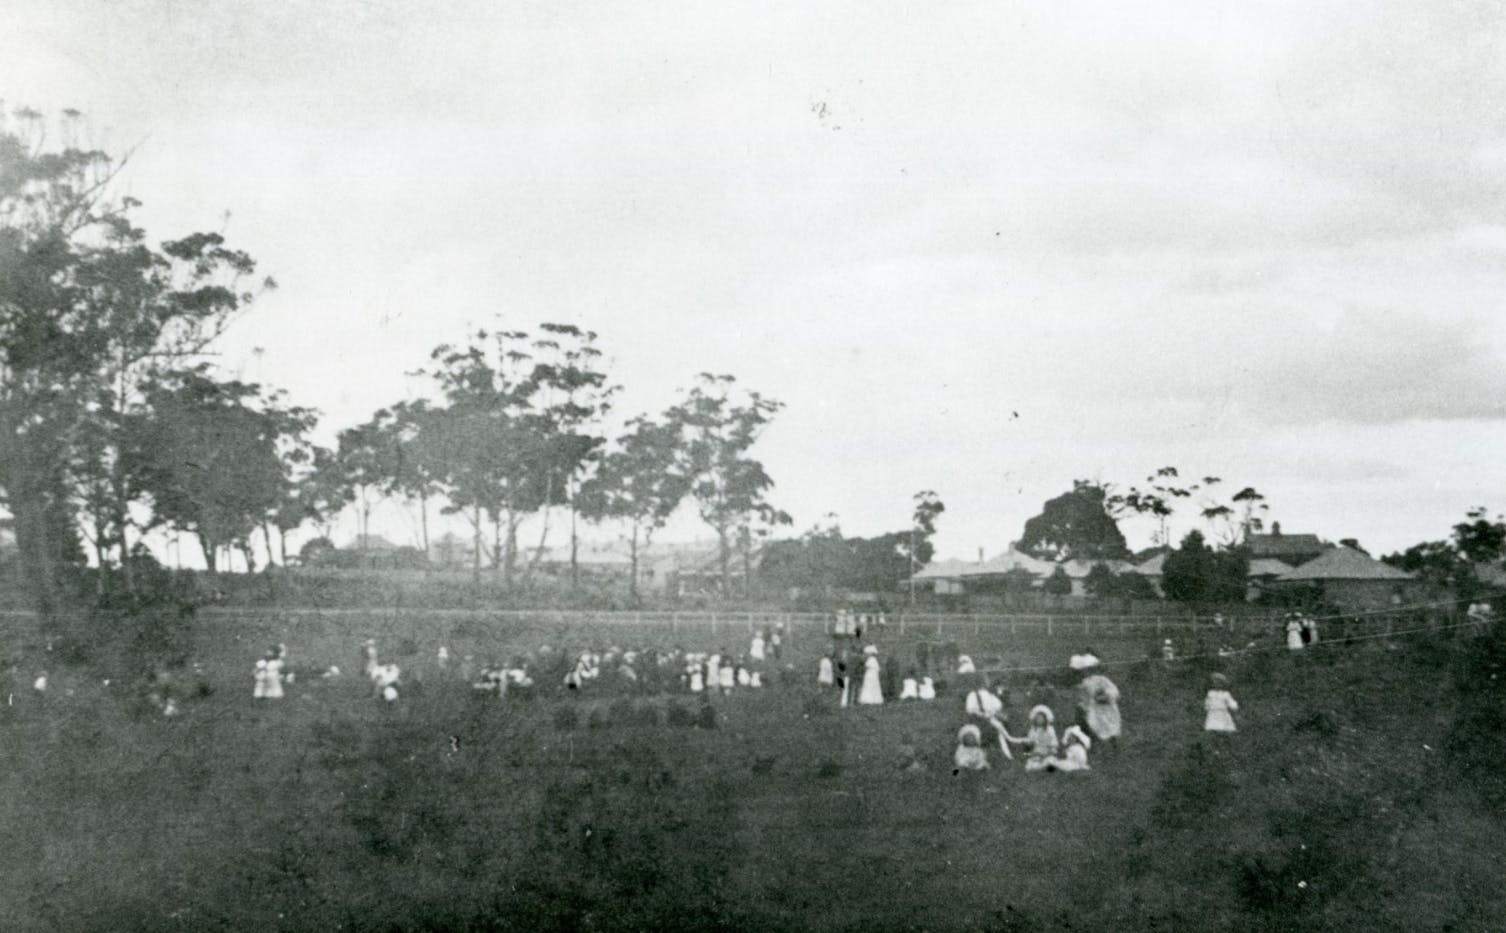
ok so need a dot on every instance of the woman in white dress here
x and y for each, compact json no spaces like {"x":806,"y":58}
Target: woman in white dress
{"x":825,"y":677}
{"x":1294,"y":633}
{"x":1219,"y":707}
{"x":756,"y":649}
{"x":872,"y":693}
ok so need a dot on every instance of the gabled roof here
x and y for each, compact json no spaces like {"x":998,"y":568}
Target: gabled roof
{"x":1154,"y":567}
{"x":1009,"y":561}
{"x":1078,"y":567}
{"x":1342,"y":563}
{"x":943,"y":570}
{"x":1280,"y":545}
{"x":1268,"y":567}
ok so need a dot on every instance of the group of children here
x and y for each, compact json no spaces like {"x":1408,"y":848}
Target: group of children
{"x":1301,"y":630}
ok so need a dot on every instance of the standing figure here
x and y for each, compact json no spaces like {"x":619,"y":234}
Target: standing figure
{"x":1309,"y":631}
{"x":872,"y":693}
{"x":1168,"y":651}
{"x":369,"y":656}
{"x":727,"y":677}
{"x":1098,"y":708}
{"x":756,"y":649}
{"x":776,"y":641}
{"x":1293,"y":633}
{"x":825,"y":676}
{"x":1219,"y":706}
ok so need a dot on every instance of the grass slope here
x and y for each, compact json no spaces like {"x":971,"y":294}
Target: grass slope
{"x":1363,"y":791}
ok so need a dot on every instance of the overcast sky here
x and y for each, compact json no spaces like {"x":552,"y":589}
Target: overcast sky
{"x":981,"y":248}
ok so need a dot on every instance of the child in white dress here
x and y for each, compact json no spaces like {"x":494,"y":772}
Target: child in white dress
{"x":1075,"y":753}
{"x":872,"y":693}
{"x":909,"y":688}
{"x":1220,"y":707}
{"x":1041,"y":739}
{"x":927,"y":688}
{"x":824,"y":675}
{"x":969,"y":755}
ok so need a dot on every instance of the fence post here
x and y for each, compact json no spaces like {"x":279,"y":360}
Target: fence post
{"x":1158,"y":625}
{"x":1014,"y":626}
{"x":750,"y":623}
{"x":938,"y":626}
{"x":902,"y":624}
{"x":713,"y":623}
{"x":1048,"y":625}
{"x":1087,"y":631}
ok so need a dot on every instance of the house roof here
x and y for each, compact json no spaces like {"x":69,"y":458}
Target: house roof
{"x":1154,"y":567}
{"x":943,"y":570}
{"x":1268,"y":567}
{"x":1342,"y":563}
{"x":1078,"y":567}
{"x":1008,"y":561}
{"x":1280,"y":545}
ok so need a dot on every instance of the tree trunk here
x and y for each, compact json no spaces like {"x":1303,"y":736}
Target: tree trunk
{"x":423,"y":524}
{"x":476,"y":545}
{"x":724,"y":557}
{"x":746,"y":543}
{"x":209,"y":549}
{"x":574,"y":546}
{"x":633,"y":559}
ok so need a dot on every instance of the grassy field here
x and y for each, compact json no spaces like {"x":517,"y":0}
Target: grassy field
{"x":1364,"y":790}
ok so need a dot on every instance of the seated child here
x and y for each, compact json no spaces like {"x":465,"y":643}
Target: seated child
{"x":970,"y":755}
{"x":927,"y":688}
{"x":909,"y":687}
{"x":1041,"y":740}
{"x":1075,"y":754}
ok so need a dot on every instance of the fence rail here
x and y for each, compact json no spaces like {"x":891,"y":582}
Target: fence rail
{"x":916,"y":625}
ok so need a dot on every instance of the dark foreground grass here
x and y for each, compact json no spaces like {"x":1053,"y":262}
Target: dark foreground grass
{"x":1363,"y":792}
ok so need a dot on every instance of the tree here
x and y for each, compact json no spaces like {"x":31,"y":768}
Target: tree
{"x":1195,"y":573}
{"x":1058,"y":584}
{"x":640,"y":482}
{"x":1101,"y":581}
{"x":89,"y":312}
{"x":716,"y":431}
{"x":209,"y":458}
{"x":1076,"y":524}
{"x":928,"y":506}
{"x":1479,"y":539}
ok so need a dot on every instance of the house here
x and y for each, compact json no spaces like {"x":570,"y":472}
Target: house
{"x":1262,"y":571}
{"x":1352,"y":580}
{"x":1153,"y":570}
{"x":953,"y":577}
{"x":1292,"y":550}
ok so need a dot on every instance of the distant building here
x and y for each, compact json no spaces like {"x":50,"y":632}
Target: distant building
{"x":1292,"y":550}
{"x":1352,"y":580}
{"x":954,"y":577}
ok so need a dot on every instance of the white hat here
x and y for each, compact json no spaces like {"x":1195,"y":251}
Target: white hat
{"x":967,"y":731}
{"x":870,"y":649}
{"x":1045,"y":710}
{"x":390,"y":694}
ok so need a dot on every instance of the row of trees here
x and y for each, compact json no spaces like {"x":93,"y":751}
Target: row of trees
{"x":113,"y":425}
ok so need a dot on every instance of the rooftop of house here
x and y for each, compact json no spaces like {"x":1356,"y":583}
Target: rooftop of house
{"x":1342,"y":563}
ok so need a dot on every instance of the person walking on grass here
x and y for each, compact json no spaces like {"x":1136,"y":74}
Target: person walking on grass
{"x":1219,"y":707}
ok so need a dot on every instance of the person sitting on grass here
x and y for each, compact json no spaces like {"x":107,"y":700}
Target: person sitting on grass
{"x":1219,"y":707}
{"x":909,"y":760}
{"x":1081,"y":662}
{"x":825,"y":675}
{"x":909,"y":687}
{"x":969,"y":755}
{"x":983,"y":705}
{"x":1041,"y":741}
{"x":1074,"y":755}
{"x":927,"y":688}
